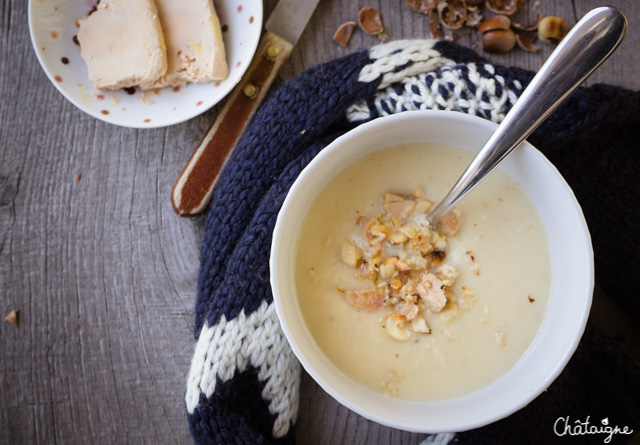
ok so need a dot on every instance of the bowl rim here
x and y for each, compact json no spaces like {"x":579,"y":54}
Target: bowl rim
{"x":551,"y":370}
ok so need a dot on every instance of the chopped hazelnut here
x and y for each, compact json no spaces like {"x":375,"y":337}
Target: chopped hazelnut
{"x":419,"y":324}
{"x":367,"y":299}
{"x":408,"y":309}
{"x":351,"y":255}
{"x":397,"y":238}
{"x":424,"y":206}
{"x":431,"y":291}
{"x":449,"y":312}
{"x":394,"y":325}
{"x":397,"y":207}
{"x":450,"y":222}
{"x":387,"y":271}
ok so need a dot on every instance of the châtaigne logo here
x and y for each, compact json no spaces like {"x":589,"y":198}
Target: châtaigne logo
{"x":564,"y":426}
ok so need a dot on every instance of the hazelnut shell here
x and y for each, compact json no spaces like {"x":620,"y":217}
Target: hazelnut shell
{"x":526,"y":41}
{"x":498,"y":40}
{"x":343,"y":33}
{"x":370,"y":21}
{"x":423,"y":6}
{"x":452,"y":13}
{"x":531,"y":27}
{"x":495,"y":22}
{"x":507,"y":7}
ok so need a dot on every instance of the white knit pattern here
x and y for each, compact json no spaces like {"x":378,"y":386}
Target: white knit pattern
{"x":422,"y":85}
{"x":418,"y":56}
{"x":229,"y":346}
{"x":438,"y":439}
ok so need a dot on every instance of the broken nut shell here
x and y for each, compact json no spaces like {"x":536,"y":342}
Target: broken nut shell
{"x":422,"y":6}
{"x":507,"y":7}
{"x":452,"y":13}
{"x":344,"y":32}
{"x":526,"y":41}
{"x":530,"y":27}
{"x":370,"y":21}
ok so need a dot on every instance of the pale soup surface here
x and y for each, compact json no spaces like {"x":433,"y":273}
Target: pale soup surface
{"x":500,"y":252}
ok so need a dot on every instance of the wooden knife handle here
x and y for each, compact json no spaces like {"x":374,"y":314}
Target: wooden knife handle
{"x":194,"y":187}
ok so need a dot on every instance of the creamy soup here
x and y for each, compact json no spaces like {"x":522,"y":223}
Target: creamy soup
{"x":495,"y":300}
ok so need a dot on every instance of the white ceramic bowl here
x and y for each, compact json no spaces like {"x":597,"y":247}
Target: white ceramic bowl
{"x":571,"y":275}
{"x":53,"y":26}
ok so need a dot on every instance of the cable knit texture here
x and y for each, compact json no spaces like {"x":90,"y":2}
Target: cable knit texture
{"x":243,"y":382}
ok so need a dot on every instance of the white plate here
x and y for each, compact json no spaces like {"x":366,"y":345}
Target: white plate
{"x":53,"y":28}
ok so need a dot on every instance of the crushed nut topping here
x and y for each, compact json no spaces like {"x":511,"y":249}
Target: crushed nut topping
{"x":402,"y":256}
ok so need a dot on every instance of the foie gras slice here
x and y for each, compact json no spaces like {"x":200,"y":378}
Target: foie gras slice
{"x":195,"y":50}
{"x":122,"y":44}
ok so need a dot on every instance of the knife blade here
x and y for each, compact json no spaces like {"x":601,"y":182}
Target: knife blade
{"x":195,"y":185}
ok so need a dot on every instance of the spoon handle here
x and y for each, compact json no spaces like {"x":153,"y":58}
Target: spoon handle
{"x":579,"y":54}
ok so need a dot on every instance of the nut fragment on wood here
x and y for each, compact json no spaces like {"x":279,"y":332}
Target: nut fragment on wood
{"x":344,"y":32}
{"x":423,"y":6}
{"x":452,"y":13}
{"x":526,"y":41}
{"x":13,"y":318}
{"x":435,"y":30}
{"x":474,"y":16}
{"x":552,"y":29}
{"x":370,"y":21}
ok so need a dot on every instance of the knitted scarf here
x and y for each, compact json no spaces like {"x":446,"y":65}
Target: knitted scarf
{"x":244,"y":380}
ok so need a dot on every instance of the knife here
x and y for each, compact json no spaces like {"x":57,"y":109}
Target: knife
{"x":194,"y":187}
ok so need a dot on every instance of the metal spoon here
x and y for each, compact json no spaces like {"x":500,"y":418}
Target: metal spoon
{"x":581,"y":52}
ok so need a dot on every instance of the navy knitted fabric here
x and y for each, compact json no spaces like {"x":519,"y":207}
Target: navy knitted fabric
{"x":243,"y":382}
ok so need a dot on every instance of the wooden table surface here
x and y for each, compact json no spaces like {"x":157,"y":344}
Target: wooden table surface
{"x":103,"y":271}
